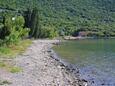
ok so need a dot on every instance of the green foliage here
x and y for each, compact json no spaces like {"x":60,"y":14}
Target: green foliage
{"x":4,"y":50}
{"x":33,"y":22}
{"x":13,"y":37}
{"x":48,"y":32}
{"x":71,"y":15}
{"x":8,"y":23}
{"x":18,"y":21}
{"x":14,"y":25}
{"x":35,"y":27}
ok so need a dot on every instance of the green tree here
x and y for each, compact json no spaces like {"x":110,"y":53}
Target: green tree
{"x":35,"y":26}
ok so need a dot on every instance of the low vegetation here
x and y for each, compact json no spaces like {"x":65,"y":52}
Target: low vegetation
{"x":10,"y":67}
{"x":2,"y":65}
{"x":5,"y":82}
{"x":11,"y":51}
{"x":15,"y":69}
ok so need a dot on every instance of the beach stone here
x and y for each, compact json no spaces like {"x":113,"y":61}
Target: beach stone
{"x":40,"y":69}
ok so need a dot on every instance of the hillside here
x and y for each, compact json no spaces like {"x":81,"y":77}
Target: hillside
{"x":70,"y":16}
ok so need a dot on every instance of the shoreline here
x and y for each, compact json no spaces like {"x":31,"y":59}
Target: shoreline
{"x":70,"y":68}
{"x":41,"y":68}
{"x":65,"y":66}
{"x":82,"y":38}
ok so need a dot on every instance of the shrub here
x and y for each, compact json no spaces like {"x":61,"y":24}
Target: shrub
{"x":48,"y":32}
{"x":15,"y":28}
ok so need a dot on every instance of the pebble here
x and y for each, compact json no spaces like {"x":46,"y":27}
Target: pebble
{"x":42,"y":69}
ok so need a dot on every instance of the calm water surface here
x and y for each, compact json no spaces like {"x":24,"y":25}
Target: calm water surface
{"x":95,"y":59}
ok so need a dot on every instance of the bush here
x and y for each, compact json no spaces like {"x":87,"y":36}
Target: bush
{"x":15,"y":28}
{"x":48,"y":32}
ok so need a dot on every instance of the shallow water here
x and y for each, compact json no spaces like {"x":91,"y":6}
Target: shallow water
{"x":95,"y":59}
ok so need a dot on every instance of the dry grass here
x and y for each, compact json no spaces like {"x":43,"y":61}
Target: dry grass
{"x":13,"y":50}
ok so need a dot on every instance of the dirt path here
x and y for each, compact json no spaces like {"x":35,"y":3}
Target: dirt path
{"x":39,"y":69}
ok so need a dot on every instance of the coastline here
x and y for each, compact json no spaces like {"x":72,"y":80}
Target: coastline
{"x":42,"y":67}
{"x":82,"y":38}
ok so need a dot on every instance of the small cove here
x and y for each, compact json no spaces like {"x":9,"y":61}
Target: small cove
{"x":94,"y":58}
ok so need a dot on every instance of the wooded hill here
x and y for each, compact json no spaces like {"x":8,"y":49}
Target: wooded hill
{"x":68,"y":17}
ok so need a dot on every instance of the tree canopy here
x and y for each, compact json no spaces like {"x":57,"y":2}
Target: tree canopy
{"x":70,"y":16}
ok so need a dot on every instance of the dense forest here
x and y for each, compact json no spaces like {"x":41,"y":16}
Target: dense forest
{"x":64,"y":17}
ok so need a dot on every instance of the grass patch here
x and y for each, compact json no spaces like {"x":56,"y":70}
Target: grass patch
{"x":13,"y":50}
{"x":10,"y":52}
{"x":5,"y":82}
{"x":2,"y":64}
{"x":10,"y":68}
{"x":15,"y":69}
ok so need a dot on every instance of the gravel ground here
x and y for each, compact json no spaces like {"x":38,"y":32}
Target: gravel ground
{"x":39,"y":69}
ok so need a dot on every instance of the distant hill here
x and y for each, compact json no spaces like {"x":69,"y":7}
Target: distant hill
{"x":71,"y":16}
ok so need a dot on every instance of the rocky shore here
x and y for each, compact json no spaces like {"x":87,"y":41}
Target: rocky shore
{"x":41,"y":67}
